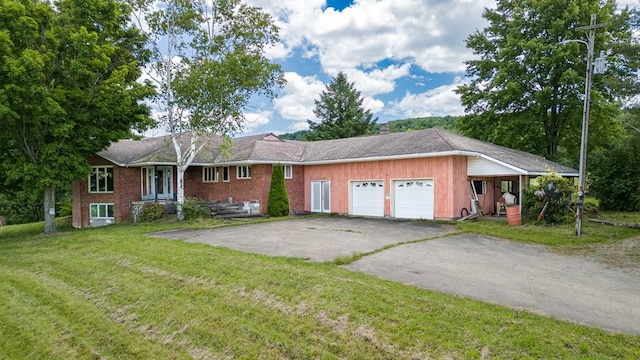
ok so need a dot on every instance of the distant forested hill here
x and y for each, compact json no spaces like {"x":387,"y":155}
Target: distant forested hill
{"x":446,"y":122}
{"x":298,"y":135}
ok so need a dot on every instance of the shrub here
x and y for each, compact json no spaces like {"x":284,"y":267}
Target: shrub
{"x":151,"y":212}
{"x":278,"y":203}
{"x":195,"y":208}
{"x":65,"y":206}
{"x":616,"y":176}
{"x":551,"y":190}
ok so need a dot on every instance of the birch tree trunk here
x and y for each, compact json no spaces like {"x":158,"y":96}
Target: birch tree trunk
{"x":180,"y":191}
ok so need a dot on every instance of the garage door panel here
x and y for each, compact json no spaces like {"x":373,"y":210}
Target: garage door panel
{"x":367,"y":198}
{"x":413,"y":199}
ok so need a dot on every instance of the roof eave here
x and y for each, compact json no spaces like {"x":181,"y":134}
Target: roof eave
{"x":391,"y":157}
{"x":112,"y":160}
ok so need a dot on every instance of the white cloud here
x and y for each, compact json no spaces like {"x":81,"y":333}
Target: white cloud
{"x":429,"y":33}
{"x":440,"y":101}
{"x":300,"y":125}
{"x":629,"y":3}
{"x":296,"y":103}
{"x":255,"y":120}
{"x":376,"y":81}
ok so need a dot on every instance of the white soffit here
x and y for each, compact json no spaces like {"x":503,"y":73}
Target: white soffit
{"x":481,"y":166}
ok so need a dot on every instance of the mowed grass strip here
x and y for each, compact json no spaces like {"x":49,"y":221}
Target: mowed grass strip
{"x":115,"y":293}
{"x":557,"y":236}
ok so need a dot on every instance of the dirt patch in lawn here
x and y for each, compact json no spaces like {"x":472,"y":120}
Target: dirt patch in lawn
{"x":621,"y":255}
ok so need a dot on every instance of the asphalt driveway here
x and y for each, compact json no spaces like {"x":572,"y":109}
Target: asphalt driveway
{"x":479,"y":267}
{"x":313,"y":238}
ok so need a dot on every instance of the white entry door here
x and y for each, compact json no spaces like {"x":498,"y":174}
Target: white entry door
{"x":320,"y":196}
{"x":367,"y":198}
{"x":413,"y":199}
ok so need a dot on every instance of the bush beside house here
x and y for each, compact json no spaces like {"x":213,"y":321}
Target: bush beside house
{"x":278,"y":203}
{"x":551,"y":193}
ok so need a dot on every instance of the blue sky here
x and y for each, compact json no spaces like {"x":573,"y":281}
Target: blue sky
{"x":406,"y":57}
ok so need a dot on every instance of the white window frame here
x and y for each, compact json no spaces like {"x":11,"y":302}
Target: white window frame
{"x":288,"y":171}
{"x":243,"y":172}
{"x":225,"y":174}
{"x":101,"y":173}
{"x":210,"y":174}
{"x":106,"y":211}
{"x":483,"y":188}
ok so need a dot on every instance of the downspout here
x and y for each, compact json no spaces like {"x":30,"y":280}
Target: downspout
{"x":141,"y":183}
{"x":155,"y":183}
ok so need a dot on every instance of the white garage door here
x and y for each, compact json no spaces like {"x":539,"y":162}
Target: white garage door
{"x":413,"y":199}
{"x":367,"y":198}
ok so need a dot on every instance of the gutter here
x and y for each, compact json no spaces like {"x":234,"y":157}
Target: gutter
{"x":517,"y":170}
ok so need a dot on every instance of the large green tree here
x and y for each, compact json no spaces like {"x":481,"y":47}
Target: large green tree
{"x":209,"y":61}
{"x":67,"y":88}
{"x":526,"y":88}
{"x":340,"y":113}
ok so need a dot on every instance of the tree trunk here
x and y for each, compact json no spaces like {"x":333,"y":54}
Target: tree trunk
{"x":50,"y":210}
{"x":180,"y":192}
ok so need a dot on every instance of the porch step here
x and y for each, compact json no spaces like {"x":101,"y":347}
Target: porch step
{"x":229,"y":210}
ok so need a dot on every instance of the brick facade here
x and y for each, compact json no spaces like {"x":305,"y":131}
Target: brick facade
{"x":127,"y":188}
{"x":241,"y":190}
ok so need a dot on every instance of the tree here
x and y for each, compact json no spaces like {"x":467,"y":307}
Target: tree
{"x":526,"y":88}
{"x":208,"y":62}
{"x":67,"y":89}
{"x":616,"y":170}
{"x":340,"y":112}
{"x":278,"y":203}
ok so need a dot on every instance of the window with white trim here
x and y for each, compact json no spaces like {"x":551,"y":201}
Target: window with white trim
{"x":225,"y":174}
{"x":288,"y":171}
{"x":243,"y":172}
{"x":101,"y":211}
{"x":480,"y":186}
{"x":101,"y":179}
{"x":506,"y":186}
{"x":210,"y":174}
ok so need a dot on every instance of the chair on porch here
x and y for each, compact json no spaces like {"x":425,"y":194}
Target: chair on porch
{"x":507,"y":198}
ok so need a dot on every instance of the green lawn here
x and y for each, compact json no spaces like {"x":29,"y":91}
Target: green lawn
{"x":558,"y":236}
{"x":112,"y":293}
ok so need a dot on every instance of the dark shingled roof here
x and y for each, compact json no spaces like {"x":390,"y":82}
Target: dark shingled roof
{"x":269,"y":148}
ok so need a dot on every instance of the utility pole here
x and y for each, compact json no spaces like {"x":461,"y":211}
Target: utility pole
{"x":585,"y":118}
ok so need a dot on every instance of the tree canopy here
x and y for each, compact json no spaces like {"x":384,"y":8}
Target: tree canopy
{"x":209,"y":60}
{"x":616,"y":169}
{"x":340,"y":112}
{"x":526,"y":88}
{"x":67,"y":89}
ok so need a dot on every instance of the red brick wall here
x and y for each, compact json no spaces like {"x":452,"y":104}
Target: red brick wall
{"x":126,"y":188}
{"x":256,"y":188}
{"x":295,"y":188}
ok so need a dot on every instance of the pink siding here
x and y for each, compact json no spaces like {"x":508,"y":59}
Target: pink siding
{"x":451,"y":192}
{"x":488,"y":200}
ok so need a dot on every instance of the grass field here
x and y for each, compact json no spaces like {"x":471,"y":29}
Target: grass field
{"x":113,"y":293}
